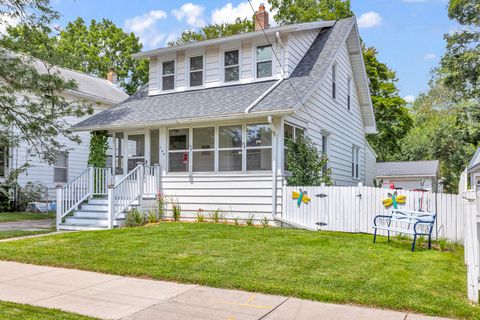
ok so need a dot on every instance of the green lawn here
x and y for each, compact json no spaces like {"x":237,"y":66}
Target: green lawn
{"x":21,"y":233}
{"x":14,"y":311}
{"x":18,"y":216}
{"x":323,"y":266}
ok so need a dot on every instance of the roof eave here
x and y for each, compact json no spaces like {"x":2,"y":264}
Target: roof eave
{"x":240,"y":115}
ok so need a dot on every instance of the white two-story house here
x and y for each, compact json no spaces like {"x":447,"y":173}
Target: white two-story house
{"x":215,"y":114}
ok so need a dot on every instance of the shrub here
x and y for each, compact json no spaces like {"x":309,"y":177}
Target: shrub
{"x":134,"y":218}
{"x":402,"y":236}
{"x":176,"y":211}
{"x":442,"y":244}
{"x":152,"y":216}
{"x":216,"y":215}
{"x":265,"y":222}
{"x":250,"y":219}
{"x":161,"y":202}
{"x":420,"y":241}
{"x":31,"y":192}
{"x":235,"y":221}
{"x":200,"y":216}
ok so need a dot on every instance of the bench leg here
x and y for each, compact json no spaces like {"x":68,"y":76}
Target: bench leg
{"x":413,"y":244}
{"x":388,"y":235}
{"x":375,"y":236}
{"x":430,"y":242}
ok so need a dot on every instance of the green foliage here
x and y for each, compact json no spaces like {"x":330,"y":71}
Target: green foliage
{"x":216,"y":215}
{"x":176,"y":211}
{"x":31,"y":192}
{"x":161,"y":203}
{"x":460,"y":65}
{"x":152,"y":216}
{"x":250,"y":220}
{"x":297,"y":11}
{"x":420,"y":241}
{"x":213,"y":31}
{"x":306,"y":164}
{"x":236,"y":221}
{"x":98,"y":149}
{"x":265,"y":222}
{"x":93,"y":49}
{"x":135,"y":218}
{"x":200,"y":216}
{"x":442,"y":244}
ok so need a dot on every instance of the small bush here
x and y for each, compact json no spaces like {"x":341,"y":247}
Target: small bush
{"x":216,"y":215}
{"x":265,"y":222}
{"x":200,"y":216}
{"x":161,"y":202}
{"x":176,"y":211}
{"x":250,"y":219}
{"x":420,"y":241}
{"x":235,"y":221}
{"x":134,"y":218}
{"x":442,"y":244}
{"x":152,"y":216}
{"x":402,"y":236}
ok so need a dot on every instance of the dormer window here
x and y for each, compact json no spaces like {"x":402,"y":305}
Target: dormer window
{"x":196,"y":71}
{"x":168,"y":75}
{"x":232,"y":66}
{"x":264,"y":61}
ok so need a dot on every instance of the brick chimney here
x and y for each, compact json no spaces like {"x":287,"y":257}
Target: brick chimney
{"x":261,"y":18}
{"x":112,"y":75}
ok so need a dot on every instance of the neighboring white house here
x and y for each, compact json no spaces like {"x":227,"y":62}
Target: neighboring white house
{"x":101,"y":94}
{"x":474,"y":170}
{"x":410,"y":175}
{"x":215,"y":115}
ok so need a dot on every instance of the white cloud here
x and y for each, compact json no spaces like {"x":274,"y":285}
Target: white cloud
{"x":191,"y":13}
{"x":369,"y":20}
{"x":430,"y":56}
{"x":228,"y":13}
{"x":7,"y":20}
{"x":409,"y":98}
{"x":171,"y":37}
{"x":144,"y":27}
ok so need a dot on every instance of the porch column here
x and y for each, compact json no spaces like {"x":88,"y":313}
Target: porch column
{"x":114,"y":157}
{"x":125,"y":153}
{"x":147,"y":149}
{"x":163,"y":141}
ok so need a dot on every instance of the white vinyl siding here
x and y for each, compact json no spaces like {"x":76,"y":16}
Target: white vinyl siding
{"x":370,"y":165}
{"x":344,"y":127}
{"x":298,"y":45}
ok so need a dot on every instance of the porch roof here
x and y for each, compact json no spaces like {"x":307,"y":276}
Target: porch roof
{"x":142,"y":110}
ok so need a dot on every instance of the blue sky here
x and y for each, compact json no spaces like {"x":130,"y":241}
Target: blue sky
{"x":407,"y":33}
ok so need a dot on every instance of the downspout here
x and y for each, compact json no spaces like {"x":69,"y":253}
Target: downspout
{"x":274,"y":168}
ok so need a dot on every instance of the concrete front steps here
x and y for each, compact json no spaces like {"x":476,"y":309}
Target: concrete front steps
{"x":91,"y":215}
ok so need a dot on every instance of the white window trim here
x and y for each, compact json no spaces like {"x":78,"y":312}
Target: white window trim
{"x":254,"y":61}
{"x":222,"y":65}
{"x":187,"y":69}
{"x":58,"y":167}
{"x":160,"y":75}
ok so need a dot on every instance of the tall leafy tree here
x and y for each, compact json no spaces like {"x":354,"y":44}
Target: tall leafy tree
{"x":460,"y":66}
{"x":93,"y":49}
{"x":297,"y":11}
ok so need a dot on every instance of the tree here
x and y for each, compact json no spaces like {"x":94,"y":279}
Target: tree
{"x":297,"y":11}
{"x":93,"y":49}
{"x":213,"y":31}
{"x":306,"y":164}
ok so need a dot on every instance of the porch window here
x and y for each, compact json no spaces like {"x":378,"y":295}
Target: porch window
{"x":203,"y":149}
{"x":232,"y":66}
{"x":135,"y":150}
{"x":355,"y":162}
{"x":168,"y":75}
{"x":178,"y":149}
{"x":290,"y":133}
{"x":196,"y":71}
{"x":264,"y":61}
{"x":3,"y":161}
{"x":259,"y":147}
{"x":230,"y":148}
{"x":60,"y":167}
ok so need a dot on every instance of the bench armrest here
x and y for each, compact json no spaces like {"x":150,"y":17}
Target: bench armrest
{"x":380,"y":216}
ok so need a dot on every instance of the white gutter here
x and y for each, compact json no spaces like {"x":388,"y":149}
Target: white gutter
{"x":88,"y":96}
{"x":254,"y":103}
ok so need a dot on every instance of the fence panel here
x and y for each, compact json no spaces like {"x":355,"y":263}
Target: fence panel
{"x":352,"y":209}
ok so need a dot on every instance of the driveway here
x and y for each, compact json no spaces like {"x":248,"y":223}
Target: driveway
{"x":27,"y":225}
{"x":115,"y":297}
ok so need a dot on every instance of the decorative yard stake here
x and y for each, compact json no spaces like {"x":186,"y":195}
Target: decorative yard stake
{"x":301,"y":197}
{"x":394,"y":199}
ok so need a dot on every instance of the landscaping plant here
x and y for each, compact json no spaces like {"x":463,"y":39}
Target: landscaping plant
{"x":176,"y":211}
{"x":216,"y":215}
{"x":200,"y":216}
{"x":442,"y":244}
{"x":161,"y":203}
{"x":152,"y":216}
{"x":265,"y":222}
{"x":134,"y":218}
{"x":250,"y":219}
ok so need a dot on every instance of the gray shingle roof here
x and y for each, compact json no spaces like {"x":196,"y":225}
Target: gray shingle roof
{"x":311,"y":68}
{"x":475,"y":160}
{"x":408,"y":168}
{"x":142,"y":109}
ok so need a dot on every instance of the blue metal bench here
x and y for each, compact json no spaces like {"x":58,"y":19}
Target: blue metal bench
{"x":416,"y":223}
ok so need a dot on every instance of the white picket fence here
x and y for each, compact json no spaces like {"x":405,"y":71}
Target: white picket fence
{"x":352,"y":209}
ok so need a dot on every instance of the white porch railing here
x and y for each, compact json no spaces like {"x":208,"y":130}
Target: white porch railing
{"x":92,"y":181}
{"x":152,"y":180}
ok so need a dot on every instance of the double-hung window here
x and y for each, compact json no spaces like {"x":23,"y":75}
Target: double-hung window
{"x":290,"y":134}
{"x":334,"y":81}
{"x":203,"y":153}
{"x":355,"y":162}
{"x":230,"y":153}
{"x":60,"y":167}
{"x":349,"y":93}
{"x":3,"y":161}
{"x":259,"y":147}
{"x":178,"y":150}
{"x":196,"y":71}
{"x":231,"y":66}
{"x":168,"y":75}
{"x":264,"y":61}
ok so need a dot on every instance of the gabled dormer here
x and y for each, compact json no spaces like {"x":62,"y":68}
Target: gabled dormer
{"x":268,"y":53}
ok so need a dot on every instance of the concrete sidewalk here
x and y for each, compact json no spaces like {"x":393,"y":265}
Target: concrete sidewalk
{"x":114,"y":297}
{"x":28,"y":225}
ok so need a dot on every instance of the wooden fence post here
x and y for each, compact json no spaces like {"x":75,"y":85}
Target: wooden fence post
{"x":471,"y":246}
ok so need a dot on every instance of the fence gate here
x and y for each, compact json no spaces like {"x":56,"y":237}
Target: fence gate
{"x":352,"y":209}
